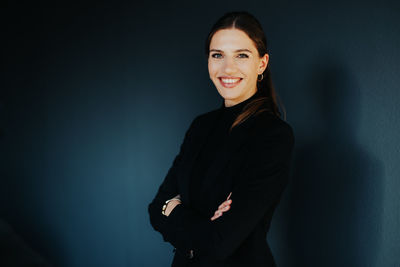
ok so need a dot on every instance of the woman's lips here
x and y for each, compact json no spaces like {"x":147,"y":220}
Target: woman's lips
{"x":229,"y":82}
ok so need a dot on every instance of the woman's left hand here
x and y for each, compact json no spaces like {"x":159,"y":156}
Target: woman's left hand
{"x":225,"y":206}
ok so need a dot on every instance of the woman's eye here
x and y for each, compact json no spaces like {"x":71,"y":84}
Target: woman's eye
{"x":216,"y":55}
{"x":243,"y":56}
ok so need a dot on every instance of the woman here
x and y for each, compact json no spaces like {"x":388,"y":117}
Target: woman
{"x":216,"y":202}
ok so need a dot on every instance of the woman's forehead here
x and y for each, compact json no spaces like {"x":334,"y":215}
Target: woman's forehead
{"x":231,"y":40}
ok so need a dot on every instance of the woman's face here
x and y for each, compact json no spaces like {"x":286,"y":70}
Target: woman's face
{"x":234,"y":64}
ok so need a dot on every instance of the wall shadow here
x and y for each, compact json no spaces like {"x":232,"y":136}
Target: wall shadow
{"x":335,"y":206}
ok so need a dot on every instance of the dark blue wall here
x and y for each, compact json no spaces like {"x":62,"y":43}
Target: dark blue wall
{"x":95,"y":103}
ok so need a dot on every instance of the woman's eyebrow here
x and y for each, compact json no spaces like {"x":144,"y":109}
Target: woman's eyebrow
{"x":243,"y":50}
{"x":238,"y":50}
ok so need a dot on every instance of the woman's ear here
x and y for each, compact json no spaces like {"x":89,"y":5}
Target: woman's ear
{"x":263,"y":63}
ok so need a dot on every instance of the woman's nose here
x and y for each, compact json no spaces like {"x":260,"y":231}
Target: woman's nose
{"x":229,"y":66}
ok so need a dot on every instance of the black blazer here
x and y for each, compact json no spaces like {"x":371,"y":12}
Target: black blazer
{"x":254,"y":166}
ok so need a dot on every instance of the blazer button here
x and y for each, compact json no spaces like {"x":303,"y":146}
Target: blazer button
{"x":191,"y":254}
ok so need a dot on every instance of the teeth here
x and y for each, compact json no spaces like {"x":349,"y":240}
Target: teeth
{"x":230,"y":80}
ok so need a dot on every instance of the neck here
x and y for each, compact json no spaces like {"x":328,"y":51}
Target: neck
{"x":230,"y":103}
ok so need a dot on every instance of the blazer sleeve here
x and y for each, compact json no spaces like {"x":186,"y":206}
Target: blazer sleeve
{"x":256,"y":192}
{"x":167,"y":190}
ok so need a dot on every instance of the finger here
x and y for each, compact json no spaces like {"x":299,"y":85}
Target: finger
{"x":224,"y":209}
{"x":225,"y":203}
{"x":216,"y":215}
{"x":219,"y":212}
{"x":229,"y":196}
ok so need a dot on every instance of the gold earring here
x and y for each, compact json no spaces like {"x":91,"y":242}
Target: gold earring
{"x":262,"y":77}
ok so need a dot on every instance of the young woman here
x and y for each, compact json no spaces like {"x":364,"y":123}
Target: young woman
{"x":216,"y":202}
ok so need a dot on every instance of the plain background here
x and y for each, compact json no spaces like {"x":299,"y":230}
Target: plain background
{"x":95,"y":102}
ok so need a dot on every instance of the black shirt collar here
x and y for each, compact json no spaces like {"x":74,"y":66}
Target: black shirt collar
{"x":237,"y":108}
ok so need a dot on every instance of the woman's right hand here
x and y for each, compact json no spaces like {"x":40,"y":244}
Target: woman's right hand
{"x":224,"y":207}
{"x":171,"y":205}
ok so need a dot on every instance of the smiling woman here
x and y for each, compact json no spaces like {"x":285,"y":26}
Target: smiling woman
{"x":234,"y":65}
{"x":216,"y":202}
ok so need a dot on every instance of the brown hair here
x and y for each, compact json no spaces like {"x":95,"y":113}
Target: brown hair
{"x":246,"y":22}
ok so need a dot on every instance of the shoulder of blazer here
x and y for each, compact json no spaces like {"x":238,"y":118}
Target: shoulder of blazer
{"x":267,"y":126}
{"x":267,"y":121}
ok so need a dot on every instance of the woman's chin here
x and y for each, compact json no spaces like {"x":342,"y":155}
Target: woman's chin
{"x":228,"y":94}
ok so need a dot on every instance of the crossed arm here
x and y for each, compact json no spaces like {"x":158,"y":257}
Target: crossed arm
{"x":263,"y":181}
{"x":224,"y":207}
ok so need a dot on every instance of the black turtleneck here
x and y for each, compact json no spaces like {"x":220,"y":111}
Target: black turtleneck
{"x":213,"y":144}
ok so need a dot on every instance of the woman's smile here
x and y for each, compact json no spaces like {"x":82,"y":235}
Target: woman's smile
{"x":229,"y":82}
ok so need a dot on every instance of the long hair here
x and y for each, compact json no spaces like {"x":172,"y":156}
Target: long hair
{"x":246,"y":22}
